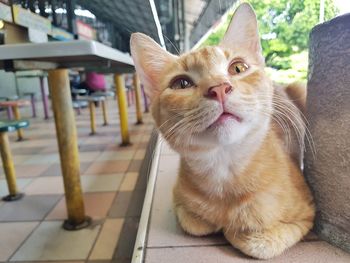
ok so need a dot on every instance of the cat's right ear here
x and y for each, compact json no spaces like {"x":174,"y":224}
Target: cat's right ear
{"x":150,"y":60}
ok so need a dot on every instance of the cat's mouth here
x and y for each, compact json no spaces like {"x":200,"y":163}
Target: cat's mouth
{"x":224,"y":117}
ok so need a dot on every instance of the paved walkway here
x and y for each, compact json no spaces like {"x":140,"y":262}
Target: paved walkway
{"x":30,"y":229}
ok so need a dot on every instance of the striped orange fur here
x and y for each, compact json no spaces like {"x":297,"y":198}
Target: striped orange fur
{"x":239,"y":138}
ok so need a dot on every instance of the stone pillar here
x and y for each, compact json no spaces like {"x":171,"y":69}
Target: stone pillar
{"x":328,"y":103}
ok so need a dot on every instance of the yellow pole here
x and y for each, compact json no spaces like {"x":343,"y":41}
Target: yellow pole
{"x":68,"y":147}
{"x":9,"y":168}
{"x":104,"y":112}
{"x":17,"y":115}
{"x":92,"y":117}
{"x":138,"y":99}
{"x":123,"y":108}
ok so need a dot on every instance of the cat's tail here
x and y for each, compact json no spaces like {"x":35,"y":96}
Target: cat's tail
{"x":297,"y":92}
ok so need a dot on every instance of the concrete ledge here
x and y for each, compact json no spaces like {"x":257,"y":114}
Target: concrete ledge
{"x":328,"y":106}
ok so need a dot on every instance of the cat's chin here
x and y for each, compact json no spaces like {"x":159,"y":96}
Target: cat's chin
{"x":223,"y":132}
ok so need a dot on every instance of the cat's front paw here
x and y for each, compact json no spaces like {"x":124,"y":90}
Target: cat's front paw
{"x":193,"y":225}
{"x":257,"y":246}
{"x":271,"y":242}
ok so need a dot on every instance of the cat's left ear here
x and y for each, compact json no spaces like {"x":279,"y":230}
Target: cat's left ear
{"x":243,"y":30}
{"x":150,"y":60}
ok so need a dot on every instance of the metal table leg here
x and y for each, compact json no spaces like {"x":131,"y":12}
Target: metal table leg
{"x":144,"y":98}
{"x":9,"y":113}
{"x":123,"y":108}
{"x":92,"y":117}
{"x":17,"y":115}
{"x":128,"y":97}
{"x":9,"y":168}
{"x":68,"y":148}
{"x":104,"y":112}
{"x":32,"y":101}
{"x":44,"y":98}
{"x":137,"y":99}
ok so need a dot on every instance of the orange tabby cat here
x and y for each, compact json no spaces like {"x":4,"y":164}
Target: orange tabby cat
{"x":217,"y":108}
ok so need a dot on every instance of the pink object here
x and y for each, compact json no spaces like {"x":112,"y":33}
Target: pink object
{"x":220,"y":91}
{"x":95,"y":81}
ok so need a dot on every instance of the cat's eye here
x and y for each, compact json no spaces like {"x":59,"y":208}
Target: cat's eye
{"x":181,"y":83}
{"x":237,"y":67}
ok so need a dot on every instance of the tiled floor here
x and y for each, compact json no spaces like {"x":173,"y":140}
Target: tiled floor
{"x":166,"y":241}
{"x":30,"y":229}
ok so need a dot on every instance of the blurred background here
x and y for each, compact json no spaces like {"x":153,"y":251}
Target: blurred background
{"x":284,"y":29}
{"x":181,"y":25}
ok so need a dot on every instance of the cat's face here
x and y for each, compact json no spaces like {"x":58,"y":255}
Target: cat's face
{"x":211,"y":96}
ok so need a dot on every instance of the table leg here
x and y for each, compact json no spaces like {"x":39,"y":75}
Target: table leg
{"x":123,"y":108}
{"x":17,"y":115}
{"x":137,"y":99}
{"x":128,"y":97}
{"x":68,"y":148}
{"x":9,"y":113}
{"x":9,"y":168}
{"x":44,"y":98}
{"x":92,"y":117}
{"x":104,"y":112}
{"x":32,"y":100}
{"x":132,"y":96}
{"x":144,"y":98}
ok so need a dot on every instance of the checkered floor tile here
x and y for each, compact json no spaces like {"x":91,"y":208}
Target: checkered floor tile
{"x":113,"y":186}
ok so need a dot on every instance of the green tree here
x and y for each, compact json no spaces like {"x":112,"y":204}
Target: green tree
{"x":284,"y":27}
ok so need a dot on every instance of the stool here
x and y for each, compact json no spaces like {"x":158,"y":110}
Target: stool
{"x":78,"y":92}
{"x":78,"y":105}
{"x":92,"y":100}
{"x":32,"y":101}
{"x":104,"y":94}
{"x":6,"y":156}
{"x":14,"y":105}
{"x":8,"y":109}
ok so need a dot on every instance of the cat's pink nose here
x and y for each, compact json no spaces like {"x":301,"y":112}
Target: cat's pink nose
{"x":219,"y":92}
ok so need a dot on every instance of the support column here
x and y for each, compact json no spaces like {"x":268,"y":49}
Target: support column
{"x":9,"y":168}
{"x":68,"y":148}
{"x":123,"y":108}
{"x":137,"y":99}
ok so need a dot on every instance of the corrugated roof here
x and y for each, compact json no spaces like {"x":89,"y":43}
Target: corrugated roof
{"x":128,"y":16}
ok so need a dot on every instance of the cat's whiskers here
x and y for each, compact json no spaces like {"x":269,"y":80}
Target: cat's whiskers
{"x":298,"y":117}
{"x":287,"y":111}
{"x":168,"y":133}
{"x":285,"y":114}
{"x":185,"y":128}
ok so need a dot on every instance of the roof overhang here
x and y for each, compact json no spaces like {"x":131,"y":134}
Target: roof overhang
{"x":210,"y":15}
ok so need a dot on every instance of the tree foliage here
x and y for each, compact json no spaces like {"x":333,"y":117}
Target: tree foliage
{"x":284,"y":27}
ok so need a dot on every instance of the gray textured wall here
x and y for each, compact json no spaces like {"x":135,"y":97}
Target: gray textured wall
{"x":328,"y":102}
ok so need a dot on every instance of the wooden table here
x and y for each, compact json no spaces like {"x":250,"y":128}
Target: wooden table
{"x":56,"y":58}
